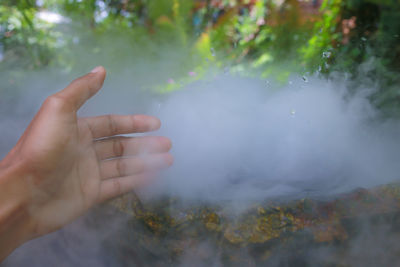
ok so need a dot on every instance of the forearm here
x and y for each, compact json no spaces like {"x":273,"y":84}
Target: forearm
{"x":15,"y":228}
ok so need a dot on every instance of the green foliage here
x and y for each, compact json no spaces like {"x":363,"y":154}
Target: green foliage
{"x":318,"y":50}
{"x":27,"y":42}
{"x":266,"y":38}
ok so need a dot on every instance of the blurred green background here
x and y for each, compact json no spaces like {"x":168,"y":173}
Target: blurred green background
{"x":271,"y":39}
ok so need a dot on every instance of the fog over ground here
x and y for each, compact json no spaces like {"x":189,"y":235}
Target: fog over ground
{"x":235,"y":139}
{"x":245,"y":139}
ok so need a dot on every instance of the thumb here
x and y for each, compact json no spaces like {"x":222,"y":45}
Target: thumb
{"x":83,"y":88}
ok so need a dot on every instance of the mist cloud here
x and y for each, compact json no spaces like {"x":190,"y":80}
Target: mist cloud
{"x":243,"y":139}
{"x":236,"y":139}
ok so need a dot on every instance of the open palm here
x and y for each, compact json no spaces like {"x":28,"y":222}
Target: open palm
{"x":73,"y":163}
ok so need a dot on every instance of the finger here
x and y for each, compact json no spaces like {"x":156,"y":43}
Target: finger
{"x":109,"y":125}
{"x":112,"y":188}
{"x":83,"y":88}
{"x":131,"y":166}
{"x":130,"y":146}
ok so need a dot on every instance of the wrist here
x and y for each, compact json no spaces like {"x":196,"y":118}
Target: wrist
{"x":15,"y":220}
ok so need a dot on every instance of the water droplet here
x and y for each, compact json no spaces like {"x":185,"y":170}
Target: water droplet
{"x":212,"y":50}
{"x":363,"y":39}
{"x":326,"y":54}
{"x":305,"y":79}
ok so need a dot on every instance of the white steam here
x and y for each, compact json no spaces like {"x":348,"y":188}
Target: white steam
{"x":235,"y":139}
{"x":244,"y":139}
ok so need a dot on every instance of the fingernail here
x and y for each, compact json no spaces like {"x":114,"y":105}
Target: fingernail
{"x":97,"y":69}
{"x":155,"y":123}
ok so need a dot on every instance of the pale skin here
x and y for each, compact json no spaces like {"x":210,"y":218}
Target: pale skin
{"x":63,"y":165}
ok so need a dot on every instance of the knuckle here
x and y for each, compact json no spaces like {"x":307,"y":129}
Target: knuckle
{"x":121,"y":167}
{"x":118,"y":147}
{"x":111,"y":124}
{"x":140,"y":166}
{"x":116,"y":187}
{"x":54,"y":101}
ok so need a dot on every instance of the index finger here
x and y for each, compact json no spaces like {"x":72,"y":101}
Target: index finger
{"x":110,"y":125}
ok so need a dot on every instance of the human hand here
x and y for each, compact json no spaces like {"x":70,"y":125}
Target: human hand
{"x":64,"y":164}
